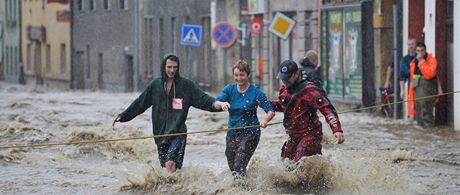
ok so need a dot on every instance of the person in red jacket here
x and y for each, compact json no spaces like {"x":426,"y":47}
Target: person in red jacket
{"x":300,"y":99}
{"x":424,"y":83}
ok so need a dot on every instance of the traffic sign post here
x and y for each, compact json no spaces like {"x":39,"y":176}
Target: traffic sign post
{"x":281,"y":25}
{"x":191,"y":35}
{"x":256,"y":25}
{"x":243,"y":34}
{"x":224,"y":34}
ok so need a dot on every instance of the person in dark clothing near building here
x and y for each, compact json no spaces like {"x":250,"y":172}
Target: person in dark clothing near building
{"x":170,"y":97}
{"x":300,"y":100}
{"x":241,"y":99}
{"x":309,"y":68}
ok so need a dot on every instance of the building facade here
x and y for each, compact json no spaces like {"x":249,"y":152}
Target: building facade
{"x":45,"y":41}
{"x":104,"y":45}
{"x":267,"y":49}
{"x":10,"y":48}
{"x":2,"y":21}
{"x":161,"y":33}
{"x":432,"y":22}
{"x":348,"y":63}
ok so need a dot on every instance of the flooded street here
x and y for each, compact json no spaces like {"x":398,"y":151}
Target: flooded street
{"x":379,"y":156}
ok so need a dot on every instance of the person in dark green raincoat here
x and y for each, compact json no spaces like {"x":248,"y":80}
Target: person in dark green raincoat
{"x":170,"y":97}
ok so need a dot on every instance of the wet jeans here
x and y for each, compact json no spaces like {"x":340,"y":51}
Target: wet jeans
{"x":239,"y":151}
{"x":173,"y":150}
{"x":295,"y":149}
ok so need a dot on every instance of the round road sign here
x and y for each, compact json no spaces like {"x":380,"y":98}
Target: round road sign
{"x":224,"y":34}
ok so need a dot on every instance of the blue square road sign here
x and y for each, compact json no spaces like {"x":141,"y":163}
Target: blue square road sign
{"x":191,"y":35}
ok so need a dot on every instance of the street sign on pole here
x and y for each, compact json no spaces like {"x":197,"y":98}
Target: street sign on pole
{"x":224,"y":34}
{"x":256,"y":25}
{"x":191,"y":35}
{"x":281,"y":25}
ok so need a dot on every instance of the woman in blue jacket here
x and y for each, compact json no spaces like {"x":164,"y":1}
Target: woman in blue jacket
{"x":241,"y":99}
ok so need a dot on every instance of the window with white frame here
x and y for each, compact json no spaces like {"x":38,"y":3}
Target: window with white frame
{"x":124,"y":4}
{"x":92,"y":5}
{"x":80,"y":5}
{"x":107,"y":4}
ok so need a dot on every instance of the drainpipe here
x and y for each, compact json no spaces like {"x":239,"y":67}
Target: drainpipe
{"x":456,"y":65}
{"x":395,"y":59}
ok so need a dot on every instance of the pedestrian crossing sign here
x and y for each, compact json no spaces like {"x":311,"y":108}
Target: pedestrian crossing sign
{"x":191,"y":35}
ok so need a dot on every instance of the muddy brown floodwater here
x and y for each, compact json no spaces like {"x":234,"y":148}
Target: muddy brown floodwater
{"x":379,"y":156}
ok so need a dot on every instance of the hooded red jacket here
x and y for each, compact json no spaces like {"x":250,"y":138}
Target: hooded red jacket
{"x":300,"y":110}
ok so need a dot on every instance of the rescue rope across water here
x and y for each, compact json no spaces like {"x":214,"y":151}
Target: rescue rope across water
{"x":197,"y":132}
{"x":398,"y":102}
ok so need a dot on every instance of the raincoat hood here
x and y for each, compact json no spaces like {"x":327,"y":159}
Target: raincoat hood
{"x":173,"y":57}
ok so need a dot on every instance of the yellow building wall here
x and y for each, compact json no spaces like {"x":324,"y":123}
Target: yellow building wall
{"x":40,"y":13}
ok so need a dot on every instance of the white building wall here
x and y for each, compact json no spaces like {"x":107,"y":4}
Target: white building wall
{"x":456,"y":65}
{"x":430,"y":26}
{"x":405,"y":26}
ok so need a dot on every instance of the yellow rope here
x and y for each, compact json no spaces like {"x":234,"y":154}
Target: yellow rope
{"x":197,"y":132}
{"x":398,"y":102}
{"x":125,"y":139}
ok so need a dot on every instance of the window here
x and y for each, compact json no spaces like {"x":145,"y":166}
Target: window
{"x":92,"y":5}
{"x":9,"y":66}
{"x":107,"y":4}
{"x":16,"y":61}
{"x":148,"y":44}
{"x":48,"y":58}
{"x":7,"y":10}
{"x":88,"y":62}
{"x":174,"y":37}
{"x":124,"y":4}
{"x":7,"y":60}
{"x":13,"y":10}
{"x":63,"y":58}
{"x":100,"y":71}
{"x":80,"y":5}
{"x":28,"y":57}
{"x":161,"y":38}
